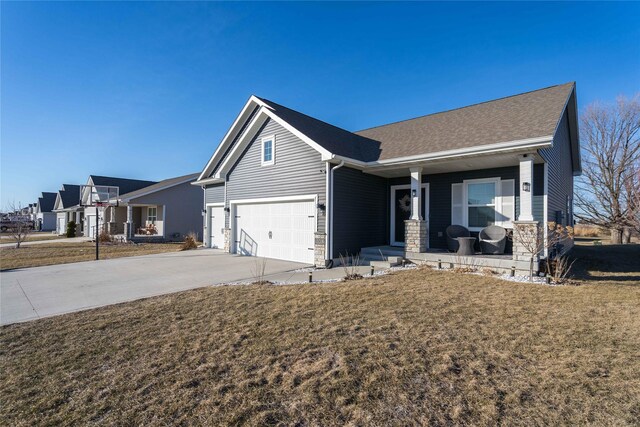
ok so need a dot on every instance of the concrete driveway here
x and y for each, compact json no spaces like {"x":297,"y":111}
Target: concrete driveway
{"x":37,"y":292}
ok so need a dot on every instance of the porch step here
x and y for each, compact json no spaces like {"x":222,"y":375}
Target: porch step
{"x":391,"y":261}
{"x":381,"y":253}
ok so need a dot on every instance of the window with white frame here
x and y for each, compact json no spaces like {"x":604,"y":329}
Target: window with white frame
{"x":152,"y":214}
{"x":479,"y":203}
{"x":268,"y":150}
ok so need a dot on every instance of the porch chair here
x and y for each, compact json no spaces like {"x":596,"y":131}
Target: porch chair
{"x":493,"y":240}
{"x":453,"y":232}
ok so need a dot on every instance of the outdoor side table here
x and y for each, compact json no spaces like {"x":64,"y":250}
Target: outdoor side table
{"x":466,"y":245}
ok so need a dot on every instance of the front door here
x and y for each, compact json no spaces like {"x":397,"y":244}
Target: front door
{"x":401,"y":210}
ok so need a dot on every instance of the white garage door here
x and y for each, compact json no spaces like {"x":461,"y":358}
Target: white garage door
{"x":282,"y":230}
{"x":216,"y":226}
{"x":91,"y":226}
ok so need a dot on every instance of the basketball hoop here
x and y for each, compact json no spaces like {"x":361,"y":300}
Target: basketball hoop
{"x":99,"y":196}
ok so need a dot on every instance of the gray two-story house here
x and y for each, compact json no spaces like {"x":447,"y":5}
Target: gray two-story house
{"x":285,"y":185}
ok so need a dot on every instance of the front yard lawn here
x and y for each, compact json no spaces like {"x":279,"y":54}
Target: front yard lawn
{"x":63,"y":253}
{"x":34,"y":237}
{"x":417,"y":347}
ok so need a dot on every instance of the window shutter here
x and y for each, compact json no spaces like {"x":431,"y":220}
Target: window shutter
{"x":456,"y":204}
{"x":506,"y":208}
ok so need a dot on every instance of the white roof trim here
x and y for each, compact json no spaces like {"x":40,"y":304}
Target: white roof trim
{"x":244,"y":113}
{"x":207,"y":181}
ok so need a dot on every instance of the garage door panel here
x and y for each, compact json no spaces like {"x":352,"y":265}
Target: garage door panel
{"x":282,"y":230}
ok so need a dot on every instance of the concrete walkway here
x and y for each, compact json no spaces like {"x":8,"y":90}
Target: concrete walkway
{"x":40,"y":242}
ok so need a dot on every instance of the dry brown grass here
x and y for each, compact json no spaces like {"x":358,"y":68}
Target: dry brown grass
{"x":581,"y":230}
{"x":63,"y":253}
{"x":419,"y":347}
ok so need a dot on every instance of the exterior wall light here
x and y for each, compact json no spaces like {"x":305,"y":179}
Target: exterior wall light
{"x":526,"y":186}
{"x":413,"y":193}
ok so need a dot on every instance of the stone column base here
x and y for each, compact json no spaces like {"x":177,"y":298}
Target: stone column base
{"x":319,"y":255}
{"x":415,"y":236}
{"x":527,"y":241}
{"x":227,"y":240}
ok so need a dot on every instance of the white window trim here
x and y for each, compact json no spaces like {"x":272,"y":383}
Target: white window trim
{"x":465,"y":200}
{"x":154,"y":216}
{"x":271,"y":138}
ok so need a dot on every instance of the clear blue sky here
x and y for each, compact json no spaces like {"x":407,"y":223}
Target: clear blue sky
{"x":147,"y":90}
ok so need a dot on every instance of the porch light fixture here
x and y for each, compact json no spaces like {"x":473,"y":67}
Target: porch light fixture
{"x":321,"y":206}
{"x":526,"y":186}
{"x":227,"y":210}
{"x":414,"y":193}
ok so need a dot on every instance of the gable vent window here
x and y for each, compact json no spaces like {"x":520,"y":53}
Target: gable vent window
{"x":268,"y":150}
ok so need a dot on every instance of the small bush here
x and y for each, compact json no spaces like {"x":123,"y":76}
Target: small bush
{"x":190,"y":242}
{"x":71,"y":229}
{"x":104,"y":237}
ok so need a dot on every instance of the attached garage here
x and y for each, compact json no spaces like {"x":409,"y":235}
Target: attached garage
{"x":275,"y":228}
{"x":91,"y":226}
{"x":62,"y":224}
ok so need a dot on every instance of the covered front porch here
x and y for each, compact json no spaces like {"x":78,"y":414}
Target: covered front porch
{"x":145,"y":222}
{"x":506,"y":191}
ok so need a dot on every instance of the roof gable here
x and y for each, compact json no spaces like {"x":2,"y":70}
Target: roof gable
{"x":46,"y":202}
{"x":159,"y":186}
{"x":124,"y":185}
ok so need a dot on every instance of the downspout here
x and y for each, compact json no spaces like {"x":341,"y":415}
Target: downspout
{"x":205,"y":229}
{"x":331,"y":209}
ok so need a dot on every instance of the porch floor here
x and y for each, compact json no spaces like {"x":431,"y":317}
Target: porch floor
{"x":502,"y":262}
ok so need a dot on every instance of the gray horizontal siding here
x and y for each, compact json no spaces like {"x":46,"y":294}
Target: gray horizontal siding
{"x":559,"y":171}
{"x":298,"y":170}
{"x":361,"y":211}
{"x":214,"y":194}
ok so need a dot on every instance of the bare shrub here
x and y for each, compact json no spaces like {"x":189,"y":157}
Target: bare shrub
{"x":560,"y":269}
{"x":104,"y":237}
{"x":350,"y":265}
{"x":258,"y":271}
{"x":463,"y":264}
{"x":190,"y":242}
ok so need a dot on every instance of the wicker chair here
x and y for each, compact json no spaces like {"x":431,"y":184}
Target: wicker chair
{"x":493,"y":240}
{"x":453,"y":232}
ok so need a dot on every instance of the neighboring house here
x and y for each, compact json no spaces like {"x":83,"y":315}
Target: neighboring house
{"x":67,"y":208}
{"x":285,"y":185}
{"x":45,"y":217}
{"x":167,"y":210}
{"x":111,"y":219}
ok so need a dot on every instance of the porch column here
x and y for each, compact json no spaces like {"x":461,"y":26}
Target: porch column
{"x":416,"y":193}
{"x":415,"y":228}
{"x":128,"y":226}
{"x":526,"y":188}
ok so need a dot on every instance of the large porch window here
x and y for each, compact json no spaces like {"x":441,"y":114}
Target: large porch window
{"x":152,"y":214}
{"x":479,"y":203}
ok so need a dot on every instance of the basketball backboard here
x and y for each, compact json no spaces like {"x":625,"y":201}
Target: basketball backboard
{"x":99,"y":195}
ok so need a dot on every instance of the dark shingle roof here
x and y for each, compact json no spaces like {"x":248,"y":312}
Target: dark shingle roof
{"x":70,"y":195}
{"x":334,"y":139}
{"x":166,"y":183}
{"x":527,"y":115}
{"x":46,"y":202}
{"x":125,"y":185}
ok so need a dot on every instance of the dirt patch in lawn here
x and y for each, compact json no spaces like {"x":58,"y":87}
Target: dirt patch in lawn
{"x":63,"y":253}
{"x":416,"y":347}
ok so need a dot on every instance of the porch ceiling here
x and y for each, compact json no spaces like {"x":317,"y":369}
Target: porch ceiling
{"x":487,"y":161}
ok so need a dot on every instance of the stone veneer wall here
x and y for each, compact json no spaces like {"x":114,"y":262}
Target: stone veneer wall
{"x":227,"y":240}
{"x":319,"y":257}
{"x":415,"y":236}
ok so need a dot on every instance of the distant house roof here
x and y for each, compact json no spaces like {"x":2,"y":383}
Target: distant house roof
{"x":46,"y":202}
{"x":69,"y":195}
{"x":125,"y":185}
{"x":528,"y":115}
{"x":161,"y":185}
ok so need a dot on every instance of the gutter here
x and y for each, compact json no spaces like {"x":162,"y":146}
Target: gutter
{"x":331,"y":210}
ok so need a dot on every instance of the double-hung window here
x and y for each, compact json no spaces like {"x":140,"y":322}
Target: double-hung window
{"x":268,"y":150}
{"x":481,"y":204}
{"x":152,"y":214}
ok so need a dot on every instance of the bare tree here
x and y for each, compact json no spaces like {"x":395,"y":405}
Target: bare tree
{"x":19,"y":226}
{"x":606,"y":195}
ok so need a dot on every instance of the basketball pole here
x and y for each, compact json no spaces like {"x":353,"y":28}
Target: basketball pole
{"x":97,"y":235}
